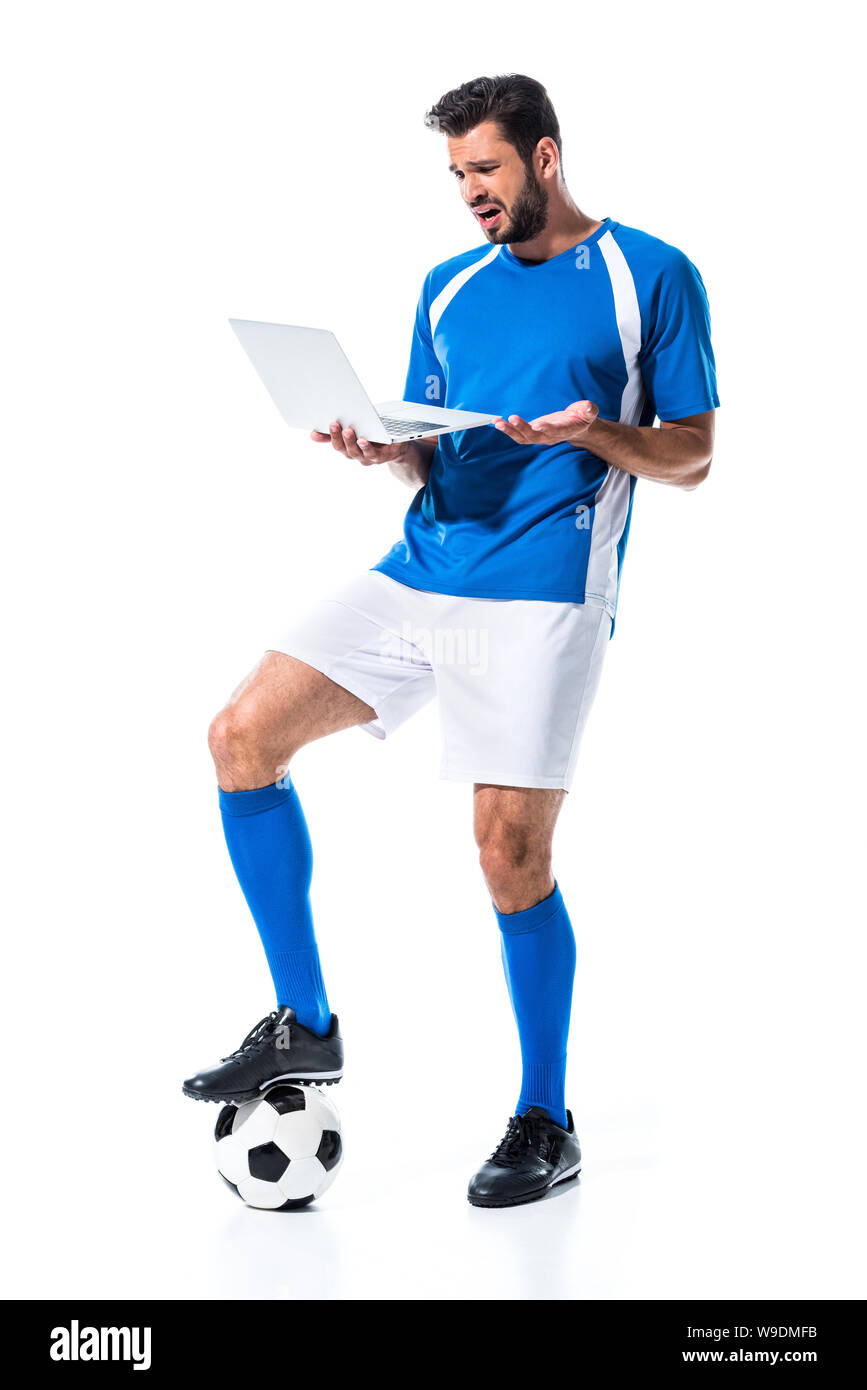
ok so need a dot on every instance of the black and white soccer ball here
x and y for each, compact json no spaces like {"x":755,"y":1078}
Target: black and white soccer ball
{"x":282,"y":1150}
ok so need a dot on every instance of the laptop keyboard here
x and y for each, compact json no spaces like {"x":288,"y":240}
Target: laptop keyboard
{"x":404,"y":427}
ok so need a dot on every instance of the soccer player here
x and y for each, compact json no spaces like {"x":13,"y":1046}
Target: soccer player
{"x":500,"y":597}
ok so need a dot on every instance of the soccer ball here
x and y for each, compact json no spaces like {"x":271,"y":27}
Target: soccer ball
{"x":280,"y":1151}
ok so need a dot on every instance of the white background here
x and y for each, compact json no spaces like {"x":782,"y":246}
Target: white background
{"x":169,"y":165}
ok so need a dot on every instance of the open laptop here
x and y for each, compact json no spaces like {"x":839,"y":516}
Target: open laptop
{"x":311,"y":382}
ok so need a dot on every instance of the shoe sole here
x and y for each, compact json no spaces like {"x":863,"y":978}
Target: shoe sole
{"x":569,"y":1176}
{"x":242,"y":1097}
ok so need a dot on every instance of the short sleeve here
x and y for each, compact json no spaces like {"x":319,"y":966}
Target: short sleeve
{"x":425,"y":379}
{"x":676,"y":358}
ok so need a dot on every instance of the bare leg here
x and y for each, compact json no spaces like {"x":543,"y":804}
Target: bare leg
{"x":514,"y":830}
{"x":281,"y":705}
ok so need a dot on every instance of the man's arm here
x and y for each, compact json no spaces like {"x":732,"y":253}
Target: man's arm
{"x":679,"y":452}
{"x":410,"y":462}
{"x":413,"y":466}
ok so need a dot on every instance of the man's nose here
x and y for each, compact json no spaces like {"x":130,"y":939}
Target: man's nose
{"x":473,"y":190}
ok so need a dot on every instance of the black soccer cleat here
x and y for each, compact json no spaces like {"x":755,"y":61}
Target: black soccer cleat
{"x":535,"y":1155}
{"x":279,"y":1048}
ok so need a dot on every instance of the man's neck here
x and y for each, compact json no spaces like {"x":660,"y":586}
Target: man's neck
{"x":567,"y":225}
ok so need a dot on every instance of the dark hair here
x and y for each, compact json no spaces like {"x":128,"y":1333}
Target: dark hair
{"x":520,"y":106}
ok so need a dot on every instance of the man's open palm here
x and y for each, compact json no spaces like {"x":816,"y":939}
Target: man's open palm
{"x":563,"y":425}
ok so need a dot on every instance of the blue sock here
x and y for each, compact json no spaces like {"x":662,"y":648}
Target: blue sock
{"x":270,"y":849}
{"x":538,"y":951}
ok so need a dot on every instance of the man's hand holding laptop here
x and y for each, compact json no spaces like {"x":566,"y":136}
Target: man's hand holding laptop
{"x":347,"y":442}
{"x":409,"y":460}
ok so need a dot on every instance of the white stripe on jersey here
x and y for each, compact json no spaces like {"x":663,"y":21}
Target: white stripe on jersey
{"x":612,"y":500}
{"x":457,"y":282}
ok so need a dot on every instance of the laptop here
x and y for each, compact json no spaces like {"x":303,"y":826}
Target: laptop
{"x":311,"y":382}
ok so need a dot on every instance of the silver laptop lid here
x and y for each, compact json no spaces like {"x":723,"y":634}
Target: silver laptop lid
{"x":308,"y":377}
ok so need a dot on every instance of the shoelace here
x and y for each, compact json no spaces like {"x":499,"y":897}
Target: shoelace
{"x":256,"y":1036}
{"x":521,"y":1134}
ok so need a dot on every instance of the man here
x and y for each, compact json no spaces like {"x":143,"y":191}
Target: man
{"x":589,"y":331}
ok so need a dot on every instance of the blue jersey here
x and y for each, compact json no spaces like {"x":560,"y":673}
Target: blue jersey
{"x":622,"y":320}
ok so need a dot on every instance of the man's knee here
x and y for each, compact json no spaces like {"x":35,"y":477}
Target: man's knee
{"x":504,"y":856}
{"x":234,"y":739}
{"x":515,"y":863}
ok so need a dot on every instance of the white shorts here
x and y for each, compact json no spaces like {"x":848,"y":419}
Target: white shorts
{"x":515,"y":677}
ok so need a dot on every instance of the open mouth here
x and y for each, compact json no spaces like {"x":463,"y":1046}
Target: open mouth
{"x":488,"y":216}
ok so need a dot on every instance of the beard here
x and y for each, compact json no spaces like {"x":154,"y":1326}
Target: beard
{"x":528,"y":216}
